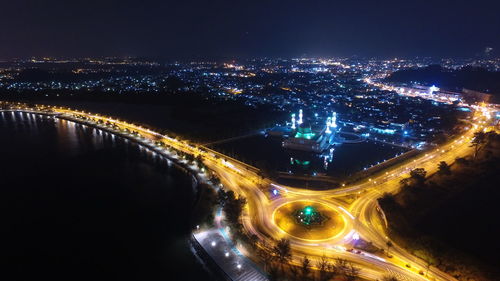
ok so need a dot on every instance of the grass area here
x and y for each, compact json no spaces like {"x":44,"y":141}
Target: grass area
{"x":347,"y":199}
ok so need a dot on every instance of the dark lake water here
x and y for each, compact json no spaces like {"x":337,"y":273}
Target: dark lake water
{"x":342,"y":161}
{"x":79,"y":204}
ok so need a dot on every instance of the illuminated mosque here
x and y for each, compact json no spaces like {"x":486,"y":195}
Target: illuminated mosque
{"x":304,"y":138}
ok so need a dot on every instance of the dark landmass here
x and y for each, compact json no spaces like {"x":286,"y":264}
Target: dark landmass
{"x":472,"y":78}
{"x":192,"y":115}
{"x":451,"y":219}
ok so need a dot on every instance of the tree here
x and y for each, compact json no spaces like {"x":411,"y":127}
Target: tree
{"x":405,"y":182}
{"x":214,"y":179}
{"x":444,"y":168}
{"x":340,"y":266}
{"x":352,"y":272}
{"x":326,"y":270}
{"x":221,"y":195}
{"x":294,"y":272}
{"x":305,"y":268}
{"x":233,"y":208}
{"x":418,"y":175}
{"x":266,"y":256}
{"x":347,"y":269}
{"x":189,"y":157}
{"x":478,"y":142}
{"x":273,"y":272}
{"x":389,"y":245}
{"x":199,"y":162}
{"x":252,"y":240}
{"x":282,"y":250}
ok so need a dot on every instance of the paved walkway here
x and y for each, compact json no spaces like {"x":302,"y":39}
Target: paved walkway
{"x":221,"y":249}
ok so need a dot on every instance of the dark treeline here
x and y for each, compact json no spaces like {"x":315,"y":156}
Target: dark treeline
{"x":473,"y":78}
{"x":198,"y":116}
{"x":450,"y":219}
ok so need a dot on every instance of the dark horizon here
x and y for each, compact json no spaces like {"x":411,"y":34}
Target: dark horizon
{"x":196,"y":29}
{"x":223,"y":59}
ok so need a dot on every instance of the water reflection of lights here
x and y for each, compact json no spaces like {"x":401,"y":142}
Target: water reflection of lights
{"x":327,"y":158}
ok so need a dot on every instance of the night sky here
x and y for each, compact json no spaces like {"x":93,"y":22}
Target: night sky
{"x":232,"y":28}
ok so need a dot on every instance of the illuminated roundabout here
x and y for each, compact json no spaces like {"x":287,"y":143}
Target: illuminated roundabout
{"x":309,"y":220}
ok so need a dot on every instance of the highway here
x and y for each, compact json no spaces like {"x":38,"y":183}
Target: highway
{"x":361,"y":216}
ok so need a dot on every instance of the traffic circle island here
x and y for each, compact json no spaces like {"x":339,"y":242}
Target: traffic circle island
{"x":309,"y":220}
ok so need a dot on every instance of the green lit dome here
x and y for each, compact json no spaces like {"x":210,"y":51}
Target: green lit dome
{"x":304,"y":131}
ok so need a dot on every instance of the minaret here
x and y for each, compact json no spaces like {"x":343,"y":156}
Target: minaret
{"x":293,"y":121}
{"x":334,"y":120}
{"x":300,"y":117}
{"x":328,"y":124}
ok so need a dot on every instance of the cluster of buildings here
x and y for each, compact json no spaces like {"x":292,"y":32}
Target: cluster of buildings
{"x":318,"y":85}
